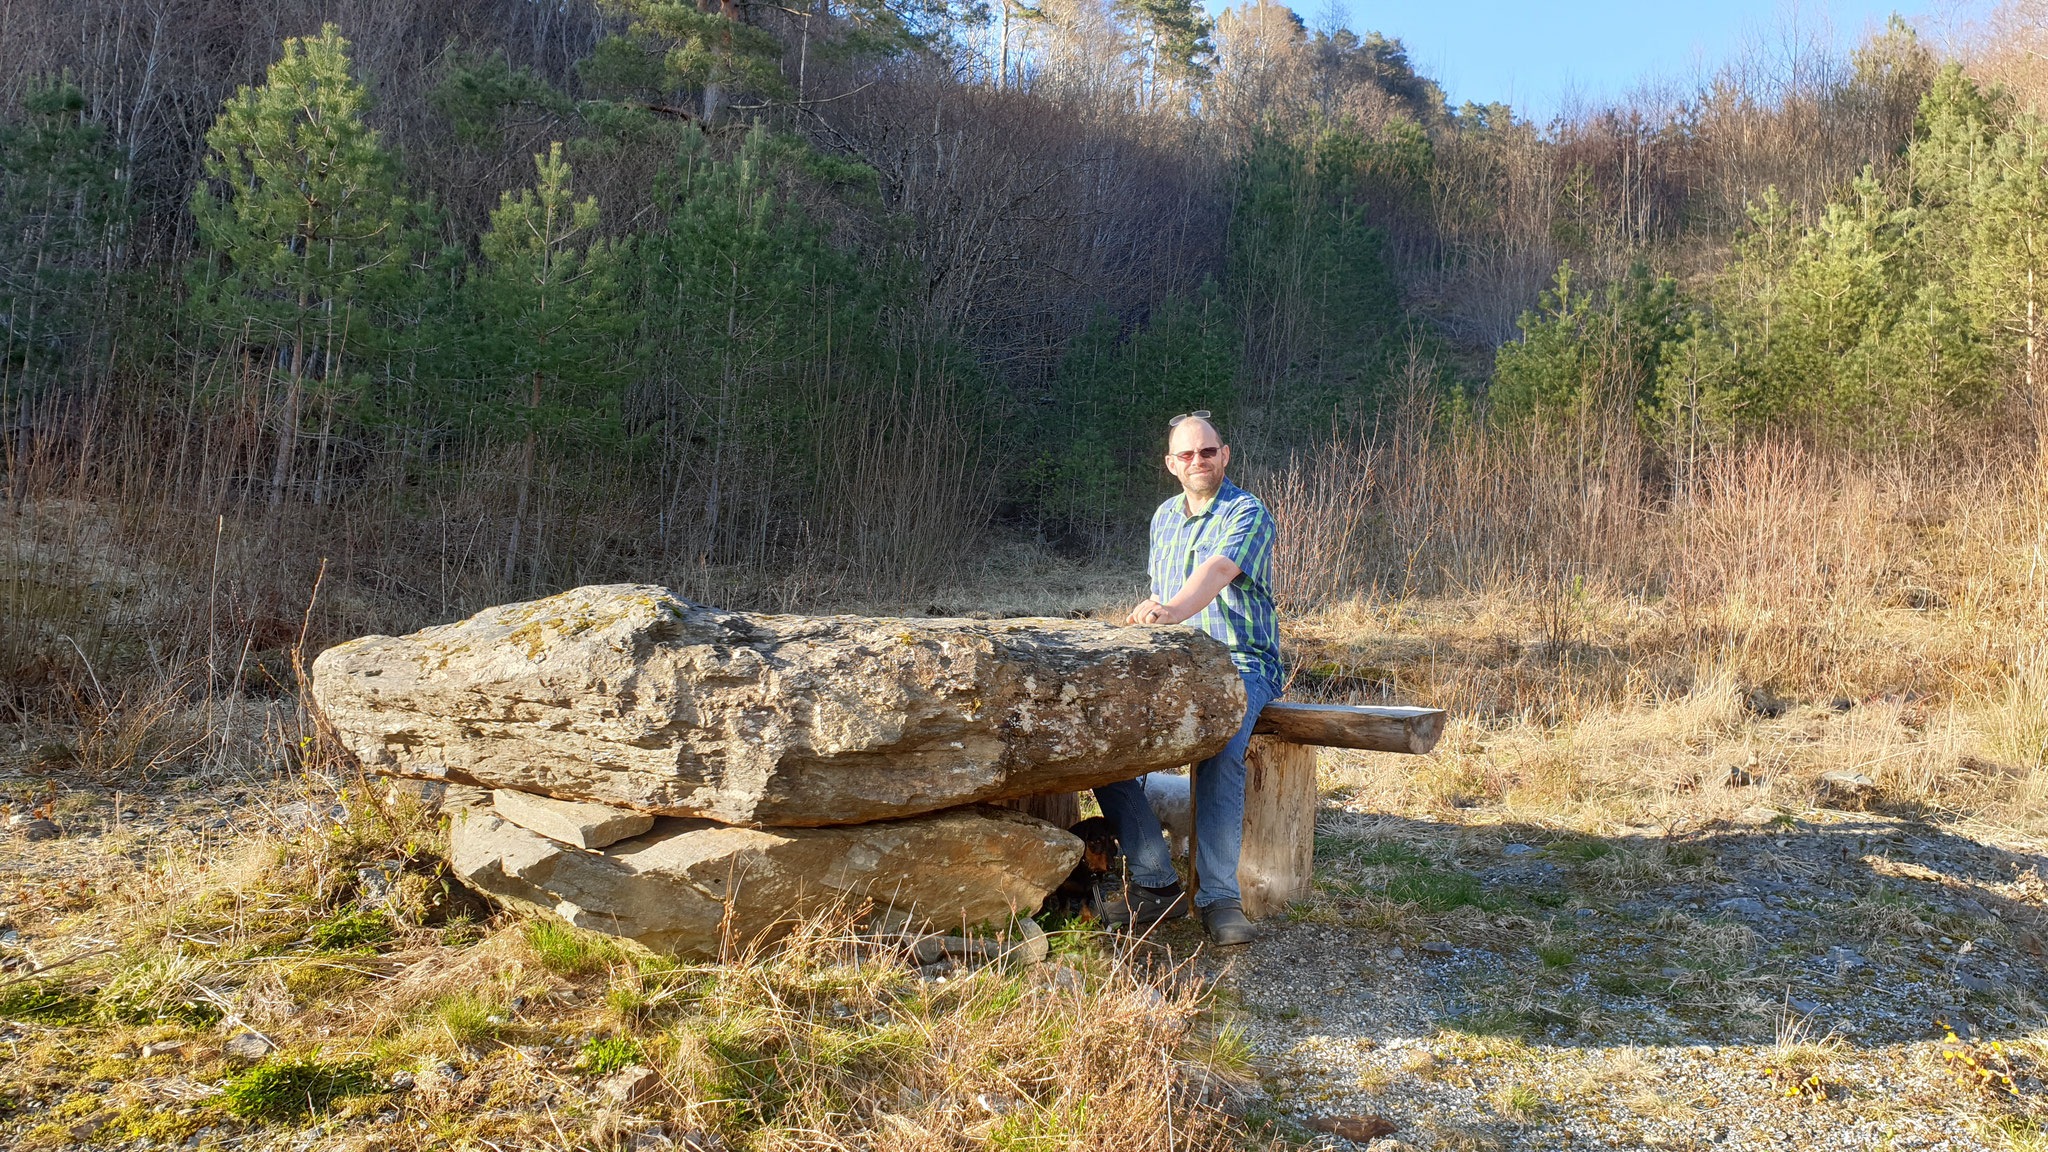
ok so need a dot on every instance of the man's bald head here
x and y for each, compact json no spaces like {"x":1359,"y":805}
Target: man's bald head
{"x":1197,"y":456}
{"x":1192,"y":432}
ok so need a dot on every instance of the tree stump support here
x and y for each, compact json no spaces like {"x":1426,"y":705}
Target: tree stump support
{"x":1278,"y":860}
{"x":1276,"y":865}
{"x":1060,"y":809}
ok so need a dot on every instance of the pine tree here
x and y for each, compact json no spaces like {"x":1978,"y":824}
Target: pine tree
{"x":1314,"y":297}
{"x":2009,"y":267}
{"x":670,"y":49}
{"x":547,"y":322}
{"x":751,"y":311}
{"x":1852,"y":329}
{"x":63,"y":216}
{"x":312,"y":234}
{"x":1585,"y":353}
{"x":1097,"y":438}
{"x":1174,"y":49}
{"x":1980,"y":172}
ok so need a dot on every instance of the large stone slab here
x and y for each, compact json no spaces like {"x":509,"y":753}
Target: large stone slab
{"x":626,"y":695}
{"x":672,"y":888}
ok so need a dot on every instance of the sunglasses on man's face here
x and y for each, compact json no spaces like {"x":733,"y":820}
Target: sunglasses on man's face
{"x":1188,"y":457}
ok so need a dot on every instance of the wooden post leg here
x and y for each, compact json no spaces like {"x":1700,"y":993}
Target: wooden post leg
{"x":1278,"y":861}
{"x":1062,"y":809}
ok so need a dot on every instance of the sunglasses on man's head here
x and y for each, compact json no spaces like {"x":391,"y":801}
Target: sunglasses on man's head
{"x":1197,"y":414}
{"x":1188,"y":457}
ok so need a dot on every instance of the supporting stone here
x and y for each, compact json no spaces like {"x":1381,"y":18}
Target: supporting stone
{"x":694,"y":887}
{"x":577,"y":822}
{"x":1059,"y":809}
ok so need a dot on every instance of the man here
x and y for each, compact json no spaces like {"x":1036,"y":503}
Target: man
{"x":1211,"y":565}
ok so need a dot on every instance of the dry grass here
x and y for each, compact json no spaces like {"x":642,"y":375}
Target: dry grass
{"x":1611,"y":663}
{"x":407,"y":1017}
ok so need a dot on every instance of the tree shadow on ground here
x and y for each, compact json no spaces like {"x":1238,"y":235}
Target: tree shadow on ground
{"x":1865,"y":927}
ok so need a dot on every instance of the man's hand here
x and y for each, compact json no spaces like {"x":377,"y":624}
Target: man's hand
{"x":1209,"y":578}
{"x":1150,"y":611}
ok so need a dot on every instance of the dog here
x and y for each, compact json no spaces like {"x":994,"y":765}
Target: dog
{"x":1084,"y":886}
{"x":1094,"y":881}
{"x":1174,"y":804}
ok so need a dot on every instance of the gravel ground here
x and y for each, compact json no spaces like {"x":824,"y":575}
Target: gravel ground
{"x":1777,"y":984}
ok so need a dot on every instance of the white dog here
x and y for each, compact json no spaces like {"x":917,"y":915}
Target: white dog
{"x":1174,"y":804}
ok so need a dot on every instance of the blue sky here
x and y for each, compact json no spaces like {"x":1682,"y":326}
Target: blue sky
{"x":1537,"y":56}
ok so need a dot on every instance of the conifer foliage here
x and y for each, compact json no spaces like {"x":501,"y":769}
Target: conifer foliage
{"x":312,"y":242}
{"x":1907,"y":305}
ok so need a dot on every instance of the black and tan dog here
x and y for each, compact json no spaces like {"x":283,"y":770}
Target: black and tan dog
{"x":1095,"y":885}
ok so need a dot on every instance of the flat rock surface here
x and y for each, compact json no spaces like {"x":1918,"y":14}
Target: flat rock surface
{"x":577,"y":822}
{"x":626,"y":695}
{"x":682,"y":886}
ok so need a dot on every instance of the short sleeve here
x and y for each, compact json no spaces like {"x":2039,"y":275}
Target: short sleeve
{"x":1247,"y":537}
{"x":1156,"y":568}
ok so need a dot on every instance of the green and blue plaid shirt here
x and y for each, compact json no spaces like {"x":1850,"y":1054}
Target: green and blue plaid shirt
{"x":1235,"y":525}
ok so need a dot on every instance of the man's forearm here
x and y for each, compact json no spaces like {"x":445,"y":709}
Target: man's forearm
{"x":1208,"y":579}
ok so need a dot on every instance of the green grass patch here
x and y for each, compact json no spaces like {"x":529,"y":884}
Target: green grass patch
{"x":569,"y":951}
{"x":603,"y":1054}
{"x":156,"y":987}
{"x":1497,"y":1022}
{"x":1517,"y":1101}
{"x":1435,"y":891}
{"x":467,"y":1017}
{"x":1032,"y":1127}
{"x":1687,"y":855}
{"x":1583,"y":850}
{"x":1555,"y":955}
{"x":352,"y":930}
{"x":45,"y":1002}
{"x":284,"y":1090}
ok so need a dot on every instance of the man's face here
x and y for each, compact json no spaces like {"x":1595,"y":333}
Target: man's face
{"x":1197,"y":458}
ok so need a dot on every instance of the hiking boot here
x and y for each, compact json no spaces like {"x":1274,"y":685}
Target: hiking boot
{"x":1227,"y":925}
{"x":1149,"y":906}
{"x":1108,"y":905}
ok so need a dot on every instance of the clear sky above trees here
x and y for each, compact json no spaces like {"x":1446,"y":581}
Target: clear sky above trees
{"x":1537,"y":56}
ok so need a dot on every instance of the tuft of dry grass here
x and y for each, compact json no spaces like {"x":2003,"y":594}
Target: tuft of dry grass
{"x":1516,"y":1101}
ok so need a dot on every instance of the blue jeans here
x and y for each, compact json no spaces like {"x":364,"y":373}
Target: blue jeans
{"x":1219,"y":815}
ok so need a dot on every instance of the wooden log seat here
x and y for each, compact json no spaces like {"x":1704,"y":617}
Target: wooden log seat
{"x":1277,"y":863}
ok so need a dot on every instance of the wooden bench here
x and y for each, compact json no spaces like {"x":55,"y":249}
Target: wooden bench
{"x":1277,"y":863}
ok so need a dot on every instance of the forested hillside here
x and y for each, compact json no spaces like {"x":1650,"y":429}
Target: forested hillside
{"x":769,"y":303}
